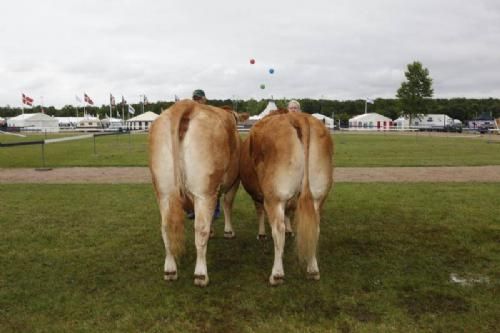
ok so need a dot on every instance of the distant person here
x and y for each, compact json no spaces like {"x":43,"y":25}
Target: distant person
{"x":199,"y":97}
{"x":294,"y":106}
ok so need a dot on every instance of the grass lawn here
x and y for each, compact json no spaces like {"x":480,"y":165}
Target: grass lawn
{"x":114,"y":150}
{"x":89,"y":258}
{"x":364,"y":150}
{"x":351,"y":150}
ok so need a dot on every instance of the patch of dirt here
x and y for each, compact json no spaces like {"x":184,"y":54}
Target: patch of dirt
{"x":418,"y":304}
{"x":141,"y":175}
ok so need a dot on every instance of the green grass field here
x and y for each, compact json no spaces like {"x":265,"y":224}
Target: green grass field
{"x":89,"y":258}
{"x":352,"y":150}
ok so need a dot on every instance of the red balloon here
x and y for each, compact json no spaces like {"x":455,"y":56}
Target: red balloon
{"x":252,"y":61}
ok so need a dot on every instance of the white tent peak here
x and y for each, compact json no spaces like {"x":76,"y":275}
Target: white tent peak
{"x":146,"y":116}
{"x":271,"y":106}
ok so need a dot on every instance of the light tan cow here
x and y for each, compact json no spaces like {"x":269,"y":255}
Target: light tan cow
{"x":286,"y":166}
{"x":193,"y":158}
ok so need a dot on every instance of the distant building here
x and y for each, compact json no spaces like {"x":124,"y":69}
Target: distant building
{"x":142,"y":121}
{"x":370,"y":121}
{"x":428,"y":121}
{"x":324,"y":119}
{"x":89,"y":124}
{"x":39,"y":122}
{"x":71,"y":122}
{"x":271,"y":106}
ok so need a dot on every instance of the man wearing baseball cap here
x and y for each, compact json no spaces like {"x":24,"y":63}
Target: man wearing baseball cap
{"x":199,"y":96}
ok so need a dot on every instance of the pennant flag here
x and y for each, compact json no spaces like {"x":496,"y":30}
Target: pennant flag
{"x":87,"y":99}
{"x":27,"y":100}
{"x":131,"y":110}
{"x":78,"y":99}
{"x":369,"y":101}
{"x":112,"y":100}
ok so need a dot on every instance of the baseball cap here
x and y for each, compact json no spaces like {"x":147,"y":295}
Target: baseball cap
{"x":198,"y":93}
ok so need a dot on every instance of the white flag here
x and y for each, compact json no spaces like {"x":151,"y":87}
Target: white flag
{"x":78,"y":99}
{"x":369,"y":101}
{"x":131,"y":110}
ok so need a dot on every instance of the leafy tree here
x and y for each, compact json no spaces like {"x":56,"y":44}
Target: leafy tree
{"x":415,"y":91}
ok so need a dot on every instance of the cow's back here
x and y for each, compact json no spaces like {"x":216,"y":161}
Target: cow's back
{"x":207,"y":149}
{"x":210,"y":150}
{"x":277,"y":156}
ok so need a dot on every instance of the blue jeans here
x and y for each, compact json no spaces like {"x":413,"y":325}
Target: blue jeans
{"x":191,"y":215}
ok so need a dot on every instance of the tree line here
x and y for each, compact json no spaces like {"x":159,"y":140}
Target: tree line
{"x":458,"y":108}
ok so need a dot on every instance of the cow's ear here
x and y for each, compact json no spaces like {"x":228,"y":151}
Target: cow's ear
{"x":242,"y":116}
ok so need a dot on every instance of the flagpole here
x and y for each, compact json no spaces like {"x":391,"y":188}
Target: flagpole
{"x":110,"y":108}
{"x":143,"y":97}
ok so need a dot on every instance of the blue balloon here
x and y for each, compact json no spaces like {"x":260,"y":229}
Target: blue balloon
{"x":271,"y":70}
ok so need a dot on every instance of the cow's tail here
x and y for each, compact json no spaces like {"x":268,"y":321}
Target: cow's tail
{"x":179,"y":122}
{"x":307,"y":221}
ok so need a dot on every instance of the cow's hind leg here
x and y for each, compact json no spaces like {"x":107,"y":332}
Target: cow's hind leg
{"x":228,"y":208}
{"x":312,"y":262}
{"x":261,"y":216}
{"x":204,"y":209}
{"x":288,"y":226}
{"x":276,"y":215}
{"x":170,"y":267}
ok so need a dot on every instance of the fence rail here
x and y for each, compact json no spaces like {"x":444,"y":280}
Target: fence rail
{"x":42,"y":143}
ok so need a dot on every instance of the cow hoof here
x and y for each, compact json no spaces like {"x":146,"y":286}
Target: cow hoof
{"x":276,"y":280}
{"x":262,"y":237}
{"x":200,"y":280}
{"x":289,"y":234}
{"x":313,"y":276}
{"x":170,"y":276}
{"x":229,"y":234}
{"x":212,"y":233}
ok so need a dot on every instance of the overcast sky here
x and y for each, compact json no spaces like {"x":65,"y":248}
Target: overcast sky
{"x":331,"y":49}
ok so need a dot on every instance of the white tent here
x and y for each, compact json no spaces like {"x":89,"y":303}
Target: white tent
{"x":142,"y":121}
{"x":106,"y":122}
{"x":326,"y":120}
{"x":271,"y":106}
{"x":370,"y":120}
{"x":428,"y":121}
{"x":72,"y":122}
{"x":35,"y":122}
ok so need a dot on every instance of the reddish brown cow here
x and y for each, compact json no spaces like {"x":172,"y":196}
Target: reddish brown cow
{"x":193,"y":158}
{"x":286,"y":167}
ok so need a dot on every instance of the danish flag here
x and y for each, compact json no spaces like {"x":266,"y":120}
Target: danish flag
{"x":87,"y":99}
{"x":27,"y":100}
